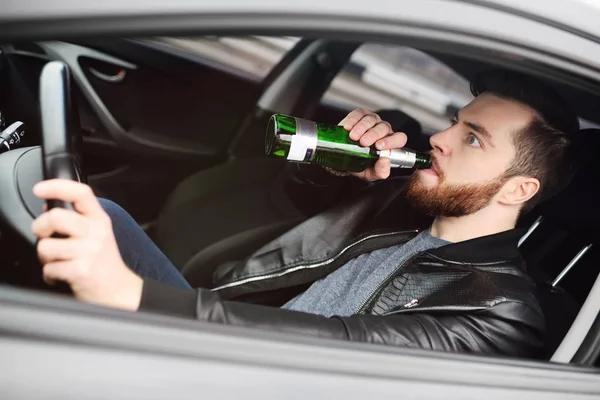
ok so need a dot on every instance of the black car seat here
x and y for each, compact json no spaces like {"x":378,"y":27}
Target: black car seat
{"x":227,"y":211}
{"x":559,"y":246}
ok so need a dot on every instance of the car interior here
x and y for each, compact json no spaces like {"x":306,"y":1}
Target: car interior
{"x":178,"y":141}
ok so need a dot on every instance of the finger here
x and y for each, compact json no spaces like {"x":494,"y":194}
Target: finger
{"x":52,"y":249}
{"x":59,"y":220}
{"x":66,"y":271}
{"x":381,"y":130}
{"x":352,"y":119}
{"x":394,"y":141}
{"x":366,"y":123}
{"x":79,"y":194}
{"x":382,"y":168}
{"x":50,"y":282}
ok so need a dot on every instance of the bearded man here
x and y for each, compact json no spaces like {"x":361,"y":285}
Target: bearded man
{"x":430,"y":264}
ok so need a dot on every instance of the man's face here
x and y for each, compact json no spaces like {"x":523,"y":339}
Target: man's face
{"x":470,"y":158}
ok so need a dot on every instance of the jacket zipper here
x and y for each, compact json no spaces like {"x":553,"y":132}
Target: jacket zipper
{"x":391,"y":276}
{"x":385,"y":282}
{"x":308,"y":266}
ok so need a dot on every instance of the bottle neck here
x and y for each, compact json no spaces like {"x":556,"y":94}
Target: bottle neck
{"x":404,"y":158}
{"x":423,"y":161}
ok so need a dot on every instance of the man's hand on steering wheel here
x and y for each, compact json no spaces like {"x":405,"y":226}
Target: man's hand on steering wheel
{"x":88,"y":259}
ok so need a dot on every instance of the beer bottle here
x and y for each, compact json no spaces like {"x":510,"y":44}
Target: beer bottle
{"x":301,"y":140}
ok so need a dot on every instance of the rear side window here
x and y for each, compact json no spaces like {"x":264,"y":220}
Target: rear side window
{"x":382,"y":76}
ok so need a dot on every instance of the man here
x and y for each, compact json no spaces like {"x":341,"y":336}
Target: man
{"x":371,"y":269}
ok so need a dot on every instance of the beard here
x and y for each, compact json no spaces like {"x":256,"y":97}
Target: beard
{"x":452,"y":200}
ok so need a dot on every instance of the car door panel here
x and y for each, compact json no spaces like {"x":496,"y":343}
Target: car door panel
{"x":115,"y":354}
{"x":179,"y":115}
{"x":191,"y":107}
{"x":186,"y":110}
{"x":149,"y":117}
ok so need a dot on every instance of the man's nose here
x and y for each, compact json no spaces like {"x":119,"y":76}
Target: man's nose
{"x":440,"y":142}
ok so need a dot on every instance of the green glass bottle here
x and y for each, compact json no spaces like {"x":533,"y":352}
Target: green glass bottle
{"x":301,"y":140}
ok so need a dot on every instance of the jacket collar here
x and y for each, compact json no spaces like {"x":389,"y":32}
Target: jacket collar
{"x":485,"y":249}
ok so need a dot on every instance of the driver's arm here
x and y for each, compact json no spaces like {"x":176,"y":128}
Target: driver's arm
{"x":484,"y":332}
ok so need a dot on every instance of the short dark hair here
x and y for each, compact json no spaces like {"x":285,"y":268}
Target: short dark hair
{"x":543,"y":148}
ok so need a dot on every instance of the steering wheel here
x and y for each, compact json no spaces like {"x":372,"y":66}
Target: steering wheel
{"x":22,"y":168}
{"x":59,"y":122}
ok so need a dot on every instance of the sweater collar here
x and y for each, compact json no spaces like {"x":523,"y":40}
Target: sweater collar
{"x":490,"y":248}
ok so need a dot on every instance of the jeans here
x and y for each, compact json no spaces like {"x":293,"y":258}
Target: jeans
{"x":138,"y":251}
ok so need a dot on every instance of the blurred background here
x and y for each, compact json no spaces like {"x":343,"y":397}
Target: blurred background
{"x":378,"y":77}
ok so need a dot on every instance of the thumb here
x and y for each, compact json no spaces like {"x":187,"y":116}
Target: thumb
{"x":382,"y":168}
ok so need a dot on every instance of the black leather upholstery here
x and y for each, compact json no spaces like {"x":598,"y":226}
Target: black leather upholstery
{"x":570,"y":221}
{"x":577,"y":208}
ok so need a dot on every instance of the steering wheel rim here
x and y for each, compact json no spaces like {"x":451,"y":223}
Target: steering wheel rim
{"x":59,"y":120}
{"x":23,"y":167}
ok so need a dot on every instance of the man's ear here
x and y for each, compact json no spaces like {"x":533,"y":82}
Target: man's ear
{"x":518,"y":190}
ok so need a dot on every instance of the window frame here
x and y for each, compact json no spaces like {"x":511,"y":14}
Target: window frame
{"x":59,"y":327}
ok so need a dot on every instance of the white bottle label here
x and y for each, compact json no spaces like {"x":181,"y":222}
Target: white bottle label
{"x":304,"y":142}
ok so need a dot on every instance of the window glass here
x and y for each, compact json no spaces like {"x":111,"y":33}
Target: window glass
{"x":252,"y":55}
{"x":395,"y":77}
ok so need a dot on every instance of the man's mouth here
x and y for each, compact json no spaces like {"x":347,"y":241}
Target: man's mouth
{"x":434,"y":170}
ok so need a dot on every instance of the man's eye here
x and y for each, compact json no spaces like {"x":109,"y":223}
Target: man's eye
{"x":473,"y":141}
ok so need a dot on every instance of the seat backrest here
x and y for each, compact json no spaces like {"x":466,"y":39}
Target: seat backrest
{"x":570,"y":223}
{"x":577,"y":207}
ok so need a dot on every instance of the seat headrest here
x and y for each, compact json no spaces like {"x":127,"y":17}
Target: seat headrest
{"x":577,"y":207}
{"x":584,"y":145}
{"x":402,"y":122}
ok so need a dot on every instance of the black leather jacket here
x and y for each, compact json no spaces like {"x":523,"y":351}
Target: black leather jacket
{"x":473,"y":296}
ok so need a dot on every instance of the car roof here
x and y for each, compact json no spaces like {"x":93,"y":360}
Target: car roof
{"x":564,"y":29}
{"x":575,"y":15}
{"x":551,"y":27}
{"x":578,"y":15}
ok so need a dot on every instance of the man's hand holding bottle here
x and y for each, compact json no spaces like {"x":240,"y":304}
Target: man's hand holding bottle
{"x":361,"y":144}
{"x":367,"y":128}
